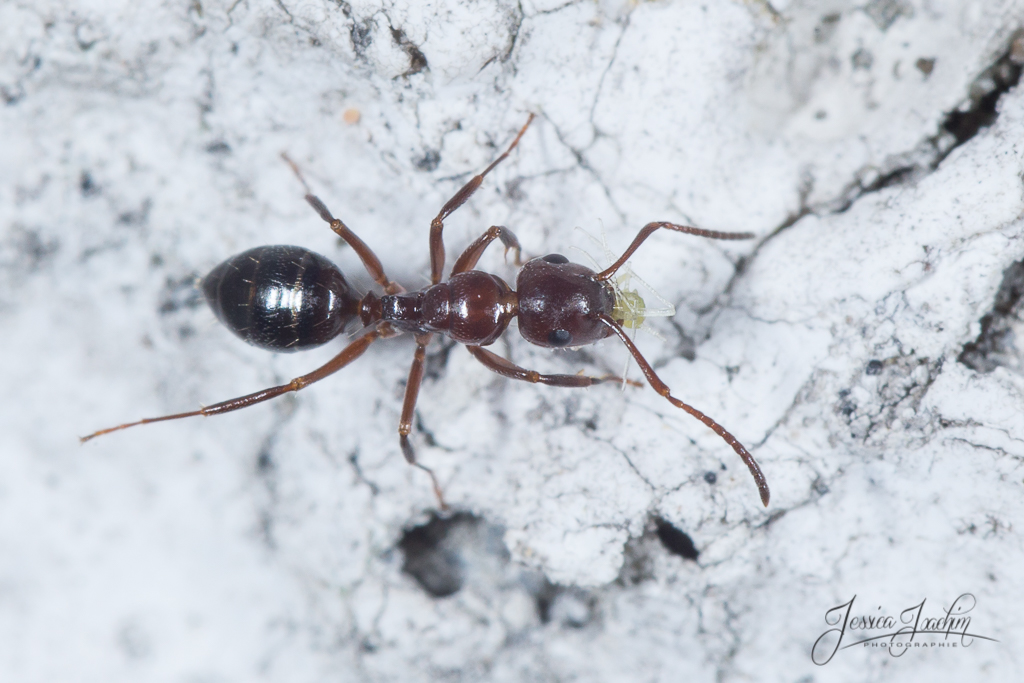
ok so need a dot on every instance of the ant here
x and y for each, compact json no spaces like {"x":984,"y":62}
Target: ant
{"x":285,"y":298}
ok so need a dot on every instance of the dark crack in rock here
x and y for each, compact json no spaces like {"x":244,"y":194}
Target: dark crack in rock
{"x":360,"y":32}
{"x":437,"y":359}
{"x":996,"y":345}
{"x":417,"y":60}
{"x":979,"y":110}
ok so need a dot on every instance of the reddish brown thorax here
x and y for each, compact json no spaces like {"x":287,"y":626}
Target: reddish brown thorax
{"x":558,"y":304}
{"x":472,"y":308}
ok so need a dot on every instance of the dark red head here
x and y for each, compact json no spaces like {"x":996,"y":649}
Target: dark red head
{"x":559,"y":303}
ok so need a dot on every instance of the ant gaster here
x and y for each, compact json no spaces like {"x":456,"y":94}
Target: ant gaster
{"x":284,"y":298}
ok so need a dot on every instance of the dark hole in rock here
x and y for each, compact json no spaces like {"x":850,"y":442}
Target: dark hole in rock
{"x":446,"y":551}
{"x":675,"y":540}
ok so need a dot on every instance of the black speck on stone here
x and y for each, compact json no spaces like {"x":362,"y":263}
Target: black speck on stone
{"x":676,"y":541}
{"x":219,"y":147}
{"x":429,"y":161}
{"x":874,"y":367}
{"x":265,"y":462}
{"x":87,"y":185}
{"x":710,"y":477}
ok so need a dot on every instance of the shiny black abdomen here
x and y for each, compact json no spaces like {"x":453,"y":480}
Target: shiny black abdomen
{"x":281,"y":298}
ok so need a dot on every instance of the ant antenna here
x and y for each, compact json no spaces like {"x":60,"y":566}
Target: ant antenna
{"x":646,"y":231}
{"x":662,"y":388}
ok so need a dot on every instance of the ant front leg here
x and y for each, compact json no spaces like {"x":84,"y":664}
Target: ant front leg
{"x":646,"y":231}
{"x":467,"y":190}
{"x":473,"y":252}
{"x":348,"y":354}
{"x":663,"y":390}
{"x":412,"y":391}
{"x":507,"y":368}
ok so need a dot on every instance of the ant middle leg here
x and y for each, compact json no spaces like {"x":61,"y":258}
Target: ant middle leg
{"x":347,"y":355}
{"x":468,"y":259}
{"x":646,"y":231}
{"x":370,"y":261}
{"x":507,"y":368}
{"x":467,"y":190}
{"x":412,"y":391}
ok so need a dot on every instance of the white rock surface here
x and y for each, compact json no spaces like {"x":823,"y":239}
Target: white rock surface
{"x":141,"y":147}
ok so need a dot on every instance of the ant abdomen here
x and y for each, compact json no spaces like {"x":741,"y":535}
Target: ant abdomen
{"x":281,"y":298}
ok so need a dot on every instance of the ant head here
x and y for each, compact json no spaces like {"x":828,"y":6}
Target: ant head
{"x":560,"y":303}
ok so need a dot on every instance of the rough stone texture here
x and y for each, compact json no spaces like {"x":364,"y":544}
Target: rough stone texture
{"x":874,"y":148}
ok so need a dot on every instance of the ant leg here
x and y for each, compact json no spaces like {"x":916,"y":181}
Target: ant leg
{"x":663,"y":390}
{"x":507,"y":368}
{"x":348,"y":354}
{"x":437,"y":225}
{"x":412,"y":391}
{"x":369,"y":259}
{"x":473,"y":252}
{"x":646,"y":231}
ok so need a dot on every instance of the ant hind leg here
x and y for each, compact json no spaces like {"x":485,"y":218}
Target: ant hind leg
{"x":347,"y":355}
{"x":370,"y":261}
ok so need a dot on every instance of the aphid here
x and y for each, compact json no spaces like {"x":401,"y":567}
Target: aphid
{"x":285,"y":298}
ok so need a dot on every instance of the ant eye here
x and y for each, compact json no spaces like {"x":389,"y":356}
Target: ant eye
{"x":555,"y":258}
{"x":559,"y":337}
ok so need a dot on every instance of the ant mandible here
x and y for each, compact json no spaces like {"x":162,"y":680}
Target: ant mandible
{"x":284,"y":298}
